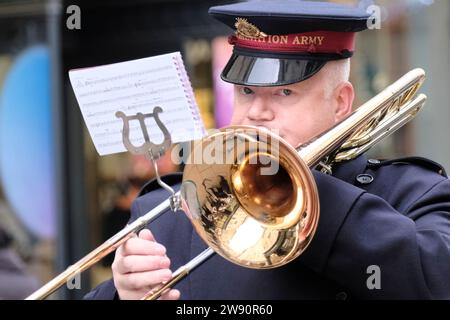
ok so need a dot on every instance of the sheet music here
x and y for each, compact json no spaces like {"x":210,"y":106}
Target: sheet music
{"x":132,"y":87}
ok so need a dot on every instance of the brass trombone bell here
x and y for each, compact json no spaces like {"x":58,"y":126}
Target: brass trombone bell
{"x":259,"y":210}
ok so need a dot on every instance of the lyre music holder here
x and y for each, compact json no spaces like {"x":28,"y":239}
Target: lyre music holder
{"x":151,"y":150}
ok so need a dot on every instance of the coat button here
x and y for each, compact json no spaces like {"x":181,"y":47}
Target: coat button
{"x":374,"y":161}
{"x":364,"y":178}
{"x":341,"y":296}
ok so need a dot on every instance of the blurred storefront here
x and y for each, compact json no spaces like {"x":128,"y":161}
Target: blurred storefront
{"x":59,"y":199}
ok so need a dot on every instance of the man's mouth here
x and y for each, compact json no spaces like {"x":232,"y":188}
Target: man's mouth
{"x":273,"y":130}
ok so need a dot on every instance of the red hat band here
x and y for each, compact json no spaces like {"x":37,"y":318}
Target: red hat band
{"x":307,"y":42}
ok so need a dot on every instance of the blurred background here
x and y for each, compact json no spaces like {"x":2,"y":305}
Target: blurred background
{"x":59,"y":199}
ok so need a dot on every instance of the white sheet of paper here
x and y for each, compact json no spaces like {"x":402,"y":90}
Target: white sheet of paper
{"x":132,"y":87}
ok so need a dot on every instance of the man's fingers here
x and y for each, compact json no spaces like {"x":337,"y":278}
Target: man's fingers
{"x":135,"y":263}
{"x":140,"y":264}
{"x":138,"y":246}
{"x":119,"y":250}
{"x":173,"y":294}
{"x":142,"y":280}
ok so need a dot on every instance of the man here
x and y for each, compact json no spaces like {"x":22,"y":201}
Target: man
{"x":290,"y":67}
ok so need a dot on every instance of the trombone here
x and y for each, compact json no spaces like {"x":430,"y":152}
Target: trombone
{"x":259,"y":220}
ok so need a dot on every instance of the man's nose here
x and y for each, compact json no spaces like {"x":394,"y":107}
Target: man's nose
{"x":260,"y":110}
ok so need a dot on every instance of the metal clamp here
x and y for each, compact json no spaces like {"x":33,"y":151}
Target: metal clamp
{"x":325,"y":168}
{"x":151,"y":150}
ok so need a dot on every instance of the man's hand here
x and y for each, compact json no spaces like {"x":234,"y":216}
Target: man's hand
{"x":141,"y":265}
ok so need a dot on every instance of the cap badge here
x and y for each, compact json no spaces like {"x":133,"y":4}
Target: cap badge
{"x":247,"y":30}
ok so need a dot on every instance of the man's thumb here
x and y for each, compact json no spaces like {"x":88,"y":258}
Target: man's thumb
{"x":146,"y":234}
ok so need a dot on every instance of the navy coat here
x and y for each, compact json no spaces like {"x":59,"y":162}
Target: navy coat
{"x":394,"y":215}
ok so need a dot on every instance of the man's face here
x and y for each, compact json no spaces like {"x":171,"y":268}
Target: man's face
{"x":299,"y":111}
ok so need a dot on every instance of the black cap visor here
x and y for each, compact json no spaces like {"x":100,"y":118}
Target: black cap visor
{"x":269,"y":70}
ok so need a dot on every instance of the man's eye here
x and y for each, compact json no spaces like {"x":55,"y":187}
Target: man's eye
{"x":246,"y":90}
{"x":286,"y":92}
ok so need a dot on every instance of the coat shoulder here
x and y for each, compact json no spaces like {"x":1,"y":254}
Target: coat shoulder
{"x":401,"y":181}
{"x":412,"y":163}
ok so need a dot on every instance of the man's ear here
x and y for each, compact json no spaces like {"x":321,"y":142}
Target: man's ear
{"x":344,"y":95}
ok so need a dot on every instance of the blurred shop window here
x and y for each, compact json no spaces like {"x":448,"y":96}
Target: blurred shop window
{"x":197,"y":55}
{"x":205,"y":60}
{"x":223,"y":91}
{"x":27,"y":191}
